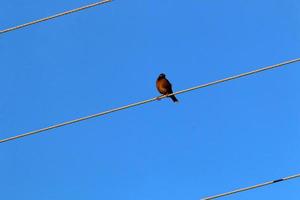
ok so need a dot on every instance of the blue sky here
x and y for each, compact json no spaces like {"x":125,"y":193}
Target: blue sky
{"x":216,"y":139}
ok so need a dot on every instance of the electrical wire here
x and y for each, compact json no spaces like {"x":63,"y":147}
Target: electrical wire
{"x":150,"y":100}
{"x":252,"y":187}
{"x":54,"y":16}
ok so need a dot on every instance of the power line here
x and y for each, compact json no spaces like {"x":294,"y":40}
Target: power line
{"x":150,"y":100}
{"x":54,"y":16}
{"x":252,"y":187}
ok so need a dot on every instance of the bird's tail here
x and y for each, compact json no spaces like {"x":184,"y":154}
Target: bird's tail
{"x":174,"y":98}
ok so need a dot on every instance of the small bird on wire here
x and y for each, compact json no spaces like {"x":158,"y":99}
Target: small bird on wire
{"x":165,"y":87}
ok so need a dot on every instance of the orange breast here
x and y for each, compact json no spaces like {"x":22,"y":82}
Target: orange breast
{"x":163,"y":86}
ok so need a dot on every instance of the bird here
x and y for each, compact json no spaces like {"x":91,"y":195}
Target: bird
{"x":165,"y":87}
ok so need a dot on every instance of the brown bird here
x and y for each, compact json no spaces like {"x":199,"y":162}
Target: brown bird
{"x":164,"y":86}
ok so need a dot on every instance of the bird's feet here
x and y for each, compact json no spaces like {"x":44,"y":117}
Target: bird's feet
{"x":159,"y":98}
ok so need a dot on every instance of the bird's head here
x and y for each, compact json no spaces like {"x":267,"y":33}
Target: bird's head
{"x":162,"y":75}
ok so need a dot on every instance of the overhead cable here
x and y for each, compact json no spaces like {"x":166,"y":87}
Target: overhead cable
{"x":251,"y":187}
{"x":150,"y":100}
{"x":54,"y":16}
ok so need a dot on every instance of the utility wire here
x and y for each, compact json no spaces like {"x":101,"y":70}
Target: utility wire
{"x":252,"y":187}
{"x":54,"y":16}
{"x":150,"y":100}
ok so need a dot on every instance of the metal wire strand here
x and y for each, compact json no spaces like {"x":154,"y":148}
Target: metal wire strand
{"x":54,"y":16}
{"x":251,"y":187}
{"x":150,"y":100}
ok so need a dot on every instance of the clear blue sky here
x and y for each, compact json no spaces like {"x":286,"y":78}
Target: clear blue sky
{"x":216,"y":139}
